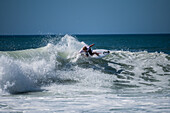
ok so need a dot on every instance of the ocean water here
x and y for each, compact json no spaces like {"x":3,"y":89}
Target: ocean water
{"x":46,"y":74}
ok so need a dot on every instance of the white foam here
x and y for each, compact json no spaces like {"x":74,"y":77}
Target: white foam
{"x":12,"y":77}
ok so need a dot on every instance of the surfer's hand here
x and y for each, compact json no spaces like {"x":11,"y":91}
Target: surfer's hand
{"x":91,"y":45}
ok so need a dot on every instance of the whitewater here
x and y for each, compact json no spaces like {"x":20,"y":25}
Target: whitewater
{"x":56,"y":78}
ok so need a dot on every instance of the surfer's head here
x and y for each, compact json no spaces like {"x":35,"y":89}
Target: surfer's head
{"x":84,"y":48}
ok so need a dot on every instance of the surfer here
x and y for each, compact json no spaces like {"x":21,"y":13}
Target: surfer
{"x":87,"y":50}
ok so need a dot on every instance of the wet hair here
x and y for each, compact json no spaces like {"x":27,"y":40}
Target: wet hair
{"x":84,"y":48}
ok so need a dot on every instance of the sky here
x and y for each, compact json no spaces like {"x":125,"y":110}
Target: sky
{"x":32,"y":17}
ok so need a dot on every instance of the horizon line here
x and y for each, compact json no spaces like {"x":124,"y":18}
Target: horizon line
{"x":73,"y":34}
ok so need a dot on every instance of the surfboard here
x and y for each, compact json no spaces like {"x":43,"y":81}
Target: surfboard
{"x":102,"y":53}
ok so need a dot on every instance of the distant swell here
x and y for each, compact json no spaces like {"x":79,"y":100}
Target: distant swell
{"x":30,"y":70}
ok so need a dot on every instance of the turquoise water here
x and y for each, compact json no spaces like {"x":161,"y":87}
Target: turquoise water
{"x":46,"y":74}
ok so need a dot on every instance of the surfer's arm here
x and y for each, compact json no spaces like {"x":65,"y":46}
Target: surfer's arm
{"x":91,"y":45}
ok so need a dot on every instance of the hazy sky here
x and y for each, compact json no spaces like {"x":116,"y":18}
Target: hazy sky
{"x":84,"y":16}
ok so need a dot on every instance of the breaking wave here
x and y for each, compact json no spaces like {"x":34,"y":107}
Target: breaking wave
{"x":32,"y":69}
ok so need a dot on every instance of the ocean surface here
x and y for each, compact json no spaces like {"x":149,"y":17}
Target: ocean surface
{"x":46,"y":74}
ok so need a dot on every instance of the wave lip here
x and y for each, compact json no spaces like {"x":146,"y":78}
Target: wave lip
{"x":29,"y":70}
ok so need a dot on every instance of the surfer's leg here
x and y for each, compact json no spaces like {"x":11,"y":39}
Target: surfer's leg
{"x":92,"y":53}
{"x":96,"y":53}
